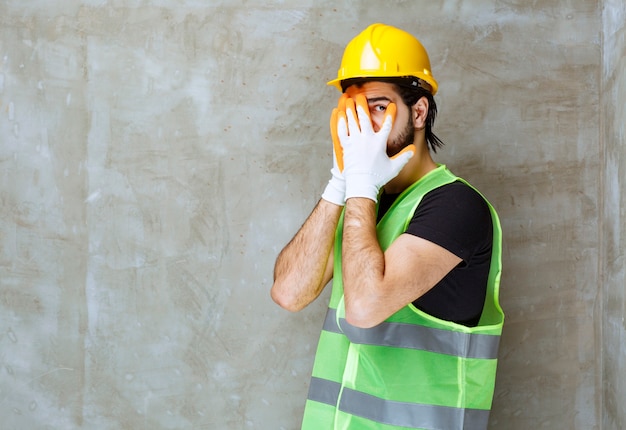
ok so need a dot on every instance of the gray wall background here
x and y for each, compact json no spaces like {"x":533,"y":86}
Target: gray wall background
{"x":156,"y":156}
{"x":612,"y":279}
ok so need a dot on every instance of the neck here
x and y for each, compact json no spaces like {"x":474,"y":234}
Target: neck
{"x":419,"y":165}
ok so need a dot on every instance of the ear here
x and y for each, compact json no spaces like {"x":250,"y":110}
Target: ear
{"x":419,"y":113}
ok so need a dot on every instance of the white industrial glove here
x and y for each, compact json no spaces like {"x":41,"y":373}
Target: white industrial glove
{"x":366,"y":164}
{"x":335,"y":191}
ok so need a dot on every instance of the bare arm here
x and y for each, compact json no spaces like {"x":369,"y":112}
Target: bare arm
{"x":378,"y":284}
{"x":304,"y":266}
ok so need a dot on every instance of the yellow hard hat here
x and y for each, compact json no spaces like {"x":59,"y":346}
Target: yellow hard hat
{"x":383,"y":51}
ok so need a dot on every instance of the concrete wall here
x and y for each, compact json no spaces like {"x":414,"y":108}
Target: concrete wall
{"x":613,"y":217}
{"x":156,"y":156}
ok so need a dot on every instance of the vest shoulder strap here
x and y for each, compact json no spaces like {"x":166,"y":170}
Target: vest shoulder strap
{"x":397,"y":218}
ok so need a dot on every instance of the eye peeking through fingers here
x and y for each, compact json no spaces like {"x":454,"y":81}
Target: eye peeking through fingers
{"x":378,"y":108}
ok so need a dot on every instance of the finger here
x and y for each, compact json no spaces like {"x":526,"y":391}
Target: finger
{"x":363,"y":111}
{"x":337,"y":149}
{"x":389,"y":118}
{"x":385,"y":129}
{"x":353,"y":124}
{"x":409,"y":148}
{"x":390,"y":112}
{"x":400,"y":159}
{"x":341,"y":104}
{"x":342,"y":129}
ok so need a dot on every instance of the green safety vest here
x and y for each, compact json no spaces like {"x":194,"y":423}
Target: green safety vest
{"x":413,"y":370}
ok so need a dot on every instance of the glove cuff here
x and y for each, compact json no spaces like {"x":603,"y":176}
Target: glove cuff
{"x":361,"y":186}
{"x":335,"y":191}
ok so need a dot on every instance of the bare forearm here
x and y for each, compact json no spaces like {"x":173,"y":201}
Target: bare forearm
{"x":363,"y":262}
{"x":301,"y":265}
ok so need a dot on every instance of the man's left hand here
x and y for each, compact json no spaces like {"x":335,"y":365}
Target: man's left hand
{"x":367,"y":167}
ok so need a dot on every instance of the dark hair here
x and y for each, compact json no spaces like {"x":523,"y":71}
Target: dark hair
{"x":410,"y":90}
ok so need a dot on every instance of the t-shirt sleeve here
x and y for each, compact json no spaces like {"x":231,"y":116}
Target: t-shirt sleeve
{"x":454,"y":217}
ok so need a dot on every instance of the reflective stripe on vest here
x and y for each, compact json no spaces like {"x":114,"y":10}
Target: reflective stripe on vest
{"x":396,"y":413}
{"x":465,"y":345}
{"x":412,"y":370}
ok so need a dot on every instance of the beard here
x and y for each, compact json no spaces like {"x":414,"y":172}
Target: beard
{"x":404,"y":139}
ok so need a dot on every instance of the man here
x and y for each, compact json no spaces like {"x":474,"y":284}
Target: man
{"x":411,"y":335}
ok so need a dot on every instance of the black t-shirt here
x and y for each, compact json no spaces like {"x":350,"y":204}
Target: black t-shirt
{"x":457,"y":218}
